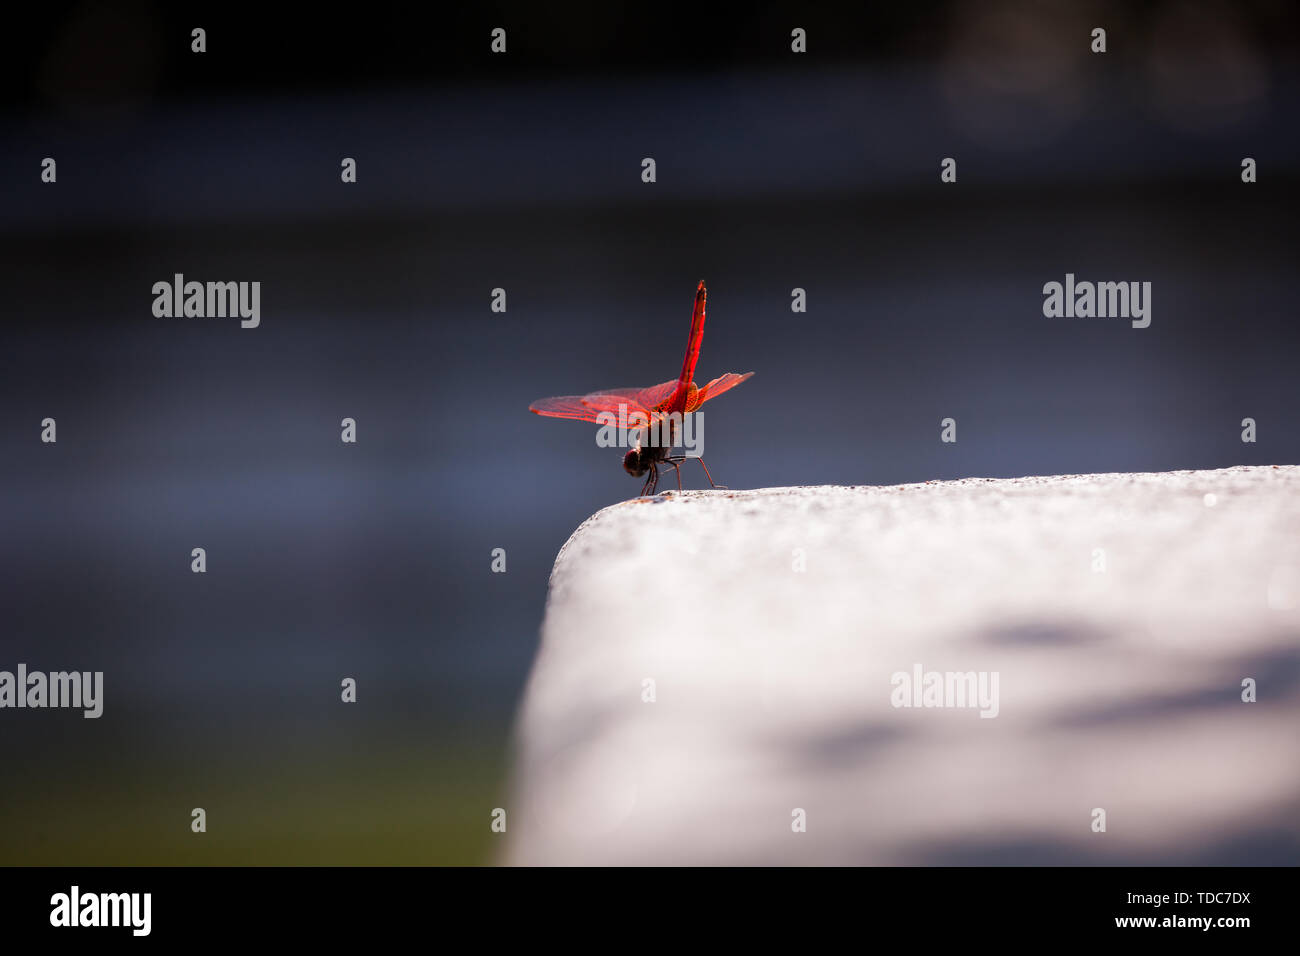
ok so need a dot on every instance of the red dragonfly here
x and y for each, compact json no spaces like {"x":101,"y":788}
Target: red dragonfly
{"x":651,"y":405}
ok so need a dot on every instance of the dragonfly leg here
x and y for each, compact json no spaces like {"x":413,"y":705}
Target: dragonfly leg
{"x":676,"y":458}
{"x":678,"y":469}
{"x":651,"y":483}
{"x":710,"y":477}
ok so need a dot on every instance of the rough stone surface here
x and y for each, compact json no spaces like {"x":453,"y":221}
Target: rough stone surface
{"x":1121,"y":613}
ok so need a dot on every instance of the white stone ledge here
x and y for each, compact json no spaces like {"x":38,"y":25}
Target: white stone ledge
{"x":1118,"y":689}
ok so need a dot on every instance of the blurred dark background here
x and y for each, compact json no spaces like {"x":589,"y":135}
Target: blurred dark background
{"x":522,"y":171}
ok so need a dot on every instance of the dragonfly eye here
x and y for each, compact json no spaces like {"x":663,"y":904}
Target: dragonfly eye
{"x":633,"y":464}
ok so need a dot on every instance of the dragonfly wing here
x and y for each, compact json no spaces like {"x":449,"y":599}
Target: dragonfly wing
{"x":657,"y":395}
{"x":586,"y":408}
{"x":716,"y":388}
{"x":564,"y":406}
{"x":632,"y":394}
{"x":650,"y":400}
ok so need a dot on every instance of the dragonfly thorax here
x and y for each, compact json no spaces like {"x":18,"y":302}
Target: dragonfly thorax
{"x":641,"y":456}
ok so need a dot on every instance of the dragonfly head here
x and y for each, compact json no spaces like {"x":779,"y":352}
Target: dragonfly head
{"x":635,"y":463}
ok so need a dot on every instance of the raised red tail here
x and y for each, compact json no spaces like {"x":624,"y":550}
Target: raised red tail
{"x":678,"y":403}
